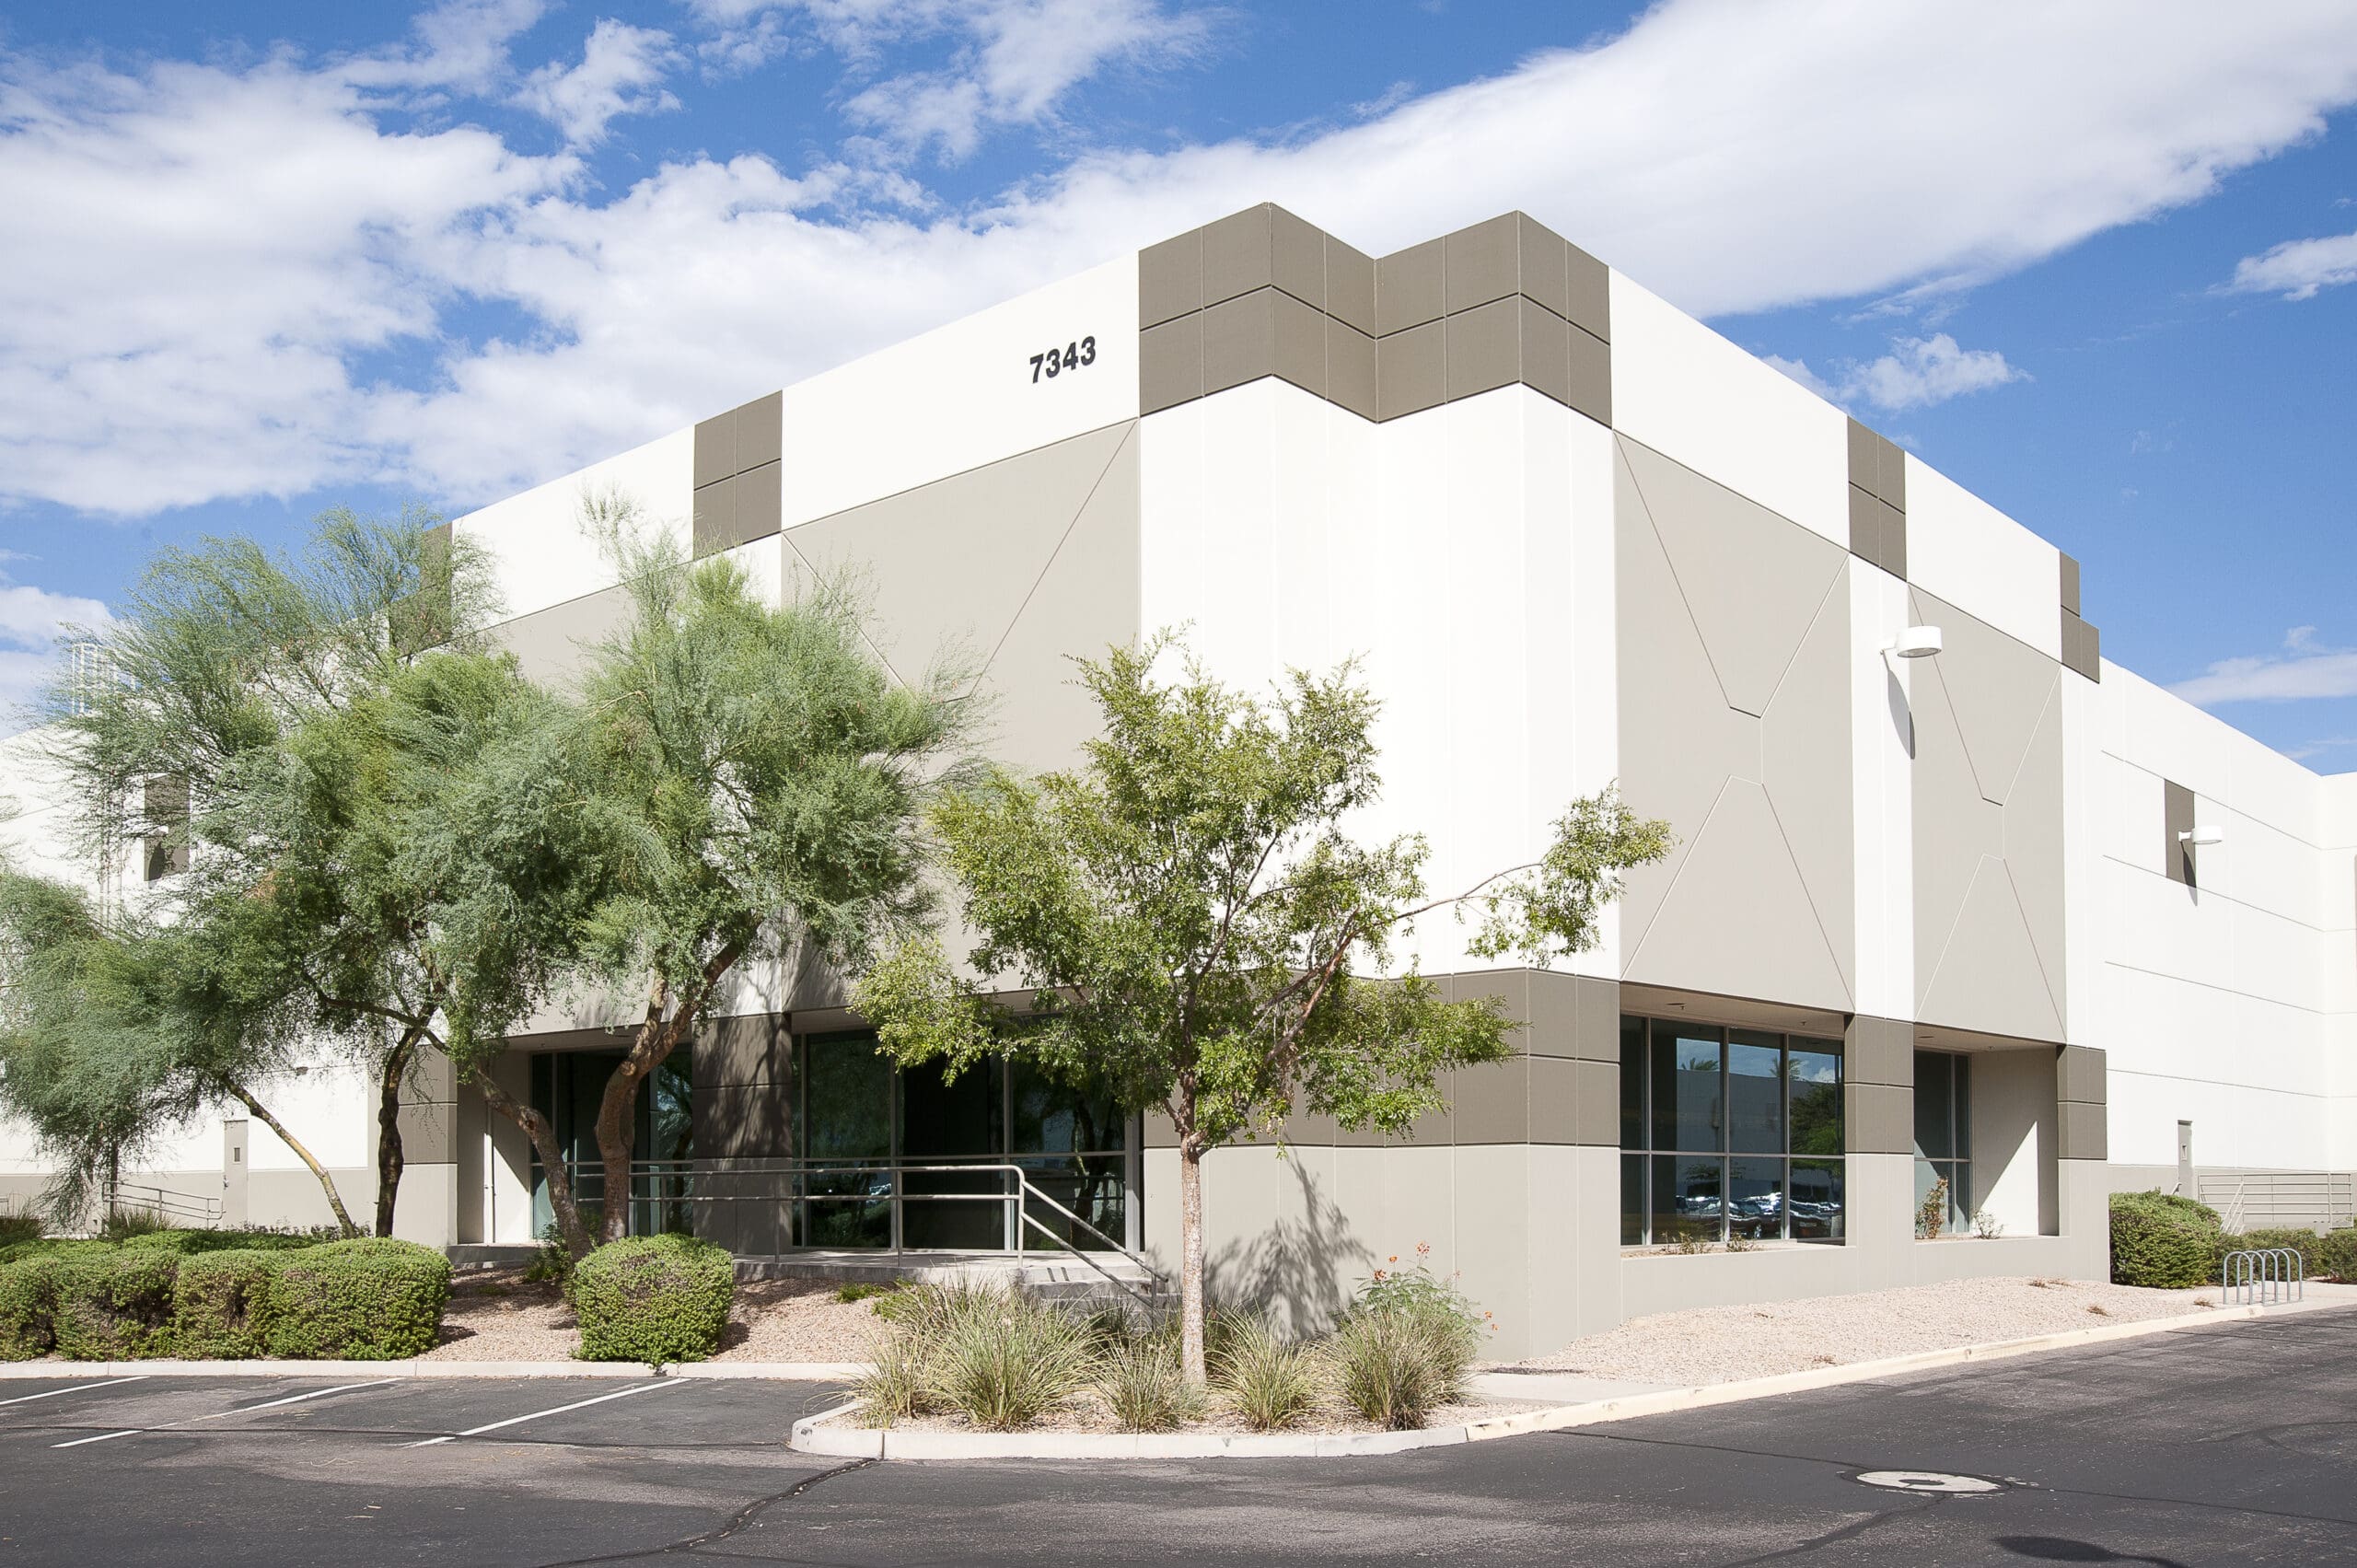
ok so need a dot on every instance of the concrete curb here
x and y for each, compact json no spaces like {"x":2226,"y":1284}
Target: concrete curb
{"x":782,"y":1371}
{"x":816,"y":1435}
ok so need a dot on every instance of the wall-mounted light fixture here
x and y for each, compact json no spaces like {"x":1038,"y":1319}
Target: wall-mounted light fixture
{"x":2202,"y":834}
{"x":1916,"y":642}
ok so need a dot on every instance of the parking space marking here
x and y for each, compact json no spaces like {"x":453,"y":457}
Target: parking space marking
{"x":74,"y":1388}
{"x":220,"y":1415}
{"x":536,"y":1415}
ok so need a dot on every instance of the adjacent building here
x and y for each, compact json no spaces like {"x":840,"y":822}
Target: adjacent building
{"x":1961,"y":919}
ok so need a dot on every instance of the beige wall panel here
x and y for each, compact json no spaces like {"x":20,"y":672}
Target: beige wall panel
{"x":1679,"y":740}
{"x":1996,"y":688}
{"x":2032,"y":826}
{"x":956,"y":559}
{"x":1085,"y":602}
{"x":552,"y":645}
{"x":1954,"y":826}
{"x":1739,"y":919}
{"x":1804,"y":757}
{"x":1491,"y":1235}
{"x":1753,"y":582}
{"x":1986,"y":975}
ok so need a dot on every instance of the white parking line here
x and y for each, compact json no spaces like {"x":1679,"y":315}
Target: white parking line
{"x":520,"y":1420}
{"x":74,"y":1388}
{"x":218,"y":1415}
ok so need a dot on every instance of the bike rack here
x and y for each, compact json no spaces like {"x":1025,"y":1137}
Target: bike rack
{"x":2263,"y":1275}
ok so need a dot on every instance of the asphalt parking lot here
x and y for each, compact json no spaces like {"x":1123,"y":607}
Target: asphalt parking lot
{"x":2234,"y":1446}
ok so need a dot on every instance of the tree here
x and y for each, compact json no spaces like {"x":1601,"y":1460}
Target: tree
{"x":1200,"y":933}
{"x":762,"y":781}
{"x":230,"y":734}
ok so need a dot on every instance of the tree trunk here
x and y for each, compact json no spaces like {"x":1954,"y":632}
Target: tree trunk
{"x":617,"y":1117}
{"x":1190,"y":1261}
{"x":327,"y":1183}
{"x":388,"y":1127}
{"x":542,"y":1134}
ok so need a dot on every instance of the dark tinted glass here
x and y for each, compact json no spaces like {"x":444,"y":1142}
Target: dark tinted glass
{"x":1812,"y":1088}
{"x":1686,"y":1090}
{"x":1633,"y":1083}
{"x":1963,"y":1093}
{"x":1755,"y":1093}
{"x":847,"y":1113}
{"x":1814,"y":1199}
{"x":1052,"y":1119}
{"x":1756,"y":1198}
{"x":1632,"y":1199}
{"x":1934,"y":1134}
{"x":1688,"y":1198}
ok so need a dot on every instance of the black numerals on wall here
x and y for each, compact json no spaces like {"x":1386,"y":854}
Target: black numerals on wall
{"x":1055,"y":362}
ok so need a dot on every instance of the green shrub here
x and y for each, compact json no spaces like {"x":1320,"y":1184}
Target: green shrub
{"x":653,"y":1298}
{"x":862,"y":1290}
{"x":2337,"y":1254}
{"x":194,"y":1243}
{"x":2292,"y":1238}
{"x":112,"y":1303}
{"x":552,"y":1264}
{"x":371,"y":1299}
{"x":16,"y":1227}
{"x":1142,"y":1382}
{"x":27,"y":1298}
{"x":220,"y":1303}
{"x":1269,"y":1383}
{"x":2162,"y":1241}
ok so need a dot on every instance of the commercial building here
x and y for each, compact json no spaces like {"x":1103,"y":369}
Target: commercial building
{"x":2001,"y":914}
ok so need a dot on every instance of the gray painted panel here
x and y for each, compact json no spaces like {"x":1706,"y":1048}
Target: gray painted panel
{"x":1170,"y":279}
{"x":1238,"y":255}
{"x":715,"y":457}
{"x":1408,"y":290}
{"x":1297,"y":258}
{"x":1877,"y":1118}
{"x":2082,"y":1074}
{"x":1411,"y":371}
{"x":1482,"y":263}
{"x":2071,"y":584}
{"x":1484,"y":348}
{"x":1865,"y":459}
{"x":1588,"y":284}
{"x":1545,"y":265}
{"x":760,"y":432}
{"x":1880,"y":1051}
{"x":1297,"y":349}
{"x":2084,"y":1132}
{"x":2082,"y":647}
{"x":1171,"y":363}
{"x":1546,"y":350}
{"x":2177,"y":817}
{"x":1753,"y":582}
{"x":1239,"y":340}
{"x":1350,"y":285}
{"x":1350,"y":369}
{"x":1591,"y":376}
{"x":1491,"y":1104}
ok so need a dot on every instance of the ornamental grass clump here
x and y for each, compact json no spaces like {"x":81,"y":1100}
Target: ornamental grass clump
{"x":1143,"y":1384}
{"x":1405,"y":1347}
{"x":2164,"y":1241}
{"x":1007,"y":1361}
{"x":1269,"y":1383}
{"x":658,"y":1300}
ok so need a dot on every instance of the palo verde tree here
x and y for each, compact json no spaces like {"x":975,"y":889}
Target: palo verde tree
{"x":1201,"y":933}
{"x":764,"y":781}
{"x":218,"y":731}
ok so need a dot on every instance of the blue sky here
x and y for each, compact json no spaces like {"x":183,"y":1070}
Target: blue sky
{"x":2091,"y":260}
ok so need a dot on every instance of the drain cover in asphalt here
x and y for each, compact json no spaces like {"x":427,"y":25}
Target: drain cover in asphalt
{"x":1925,"y":1481}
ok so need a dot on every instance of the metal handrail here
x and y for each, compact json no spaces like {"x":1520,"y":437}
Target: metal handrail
{"x":163,"y":1202}
{"x":1026,"y":1190}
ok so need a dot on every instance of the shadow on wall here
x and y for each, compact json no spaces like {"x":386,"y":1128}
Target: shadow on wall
{"x":1296,"y":1273}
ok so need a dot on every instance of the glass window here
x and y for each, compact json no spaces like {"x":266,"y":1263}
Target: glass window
{"x":1942,"y":1142}
{"x":847,"y":1135}
{"x":1686,"y":1088}
{"x":1755,"y":1093}
{"x":1935,"y":1106}
{"x":1728,"y":1133}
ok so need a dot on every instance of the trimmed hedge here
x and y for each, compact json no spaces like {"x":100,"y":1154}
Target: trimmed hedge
{"x":27,"y":1300}
{"x":2164,"y":1241}
{"x":372,"y":1299}
{"x":221,"y":1303}
{"x":2295,"y":1239}
{"x":2337,"y":1254}
{"x":112,"y":1303}
{"x":191,"y":1243}
{"x":653,"y":1298}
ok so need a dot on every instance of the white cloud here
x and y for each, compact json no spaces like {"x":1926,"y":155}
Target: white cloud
{"x":1916,"y":373}
{"x":197,"y":256}
{"x":461,"y":44}
{"x":2305,"y":668}
{"x":621,"y":72}
{"x":2297,"y":268}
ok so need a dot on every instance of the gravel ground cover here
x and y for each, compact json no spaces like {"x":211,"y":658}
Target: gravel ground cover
{"x":1719,"y":1344}
{"x":495,"y":1315}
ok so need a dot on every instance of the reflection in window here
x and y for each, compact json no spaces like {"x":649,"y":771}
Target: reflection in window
{"x":1944,"y":1134}
{"x":1728,"y":1132}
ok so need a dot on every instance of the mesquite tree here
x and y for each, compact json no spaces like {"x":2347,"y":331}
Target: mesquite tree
{"x":1201,"y":934}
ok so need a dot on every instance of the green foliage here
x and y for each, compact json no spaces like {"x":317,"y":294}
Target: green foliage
{"x":371,"y":1299}
{"x":653,"y":1298}
{"x":892,"y":1389}
{"x":191,"y":1243}
{"x":552,"y":1262}
{"x":18,"y":1227}
{"x":1199,"y":931}
{"x":2337,"y":1254}
{"x":1406,"y":1346}
{"x":1932,"y":1214}
{"x":862,"y":1290}
{"x":112,"y":1303}
{"x":220,"y":1302}
{"x":2162,"y":1240}
{"x":986,"y":1350}
{"x":126,"y":1224}
{"x":2295,"y":1239}
{"x":1142,"y":1382}
{"x":28,"y":1301}
{"x":1268,"y":1382}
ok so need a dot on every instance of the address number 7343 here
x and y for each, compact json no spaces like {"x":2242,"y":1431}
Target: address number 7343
{"x":1071,"y":357}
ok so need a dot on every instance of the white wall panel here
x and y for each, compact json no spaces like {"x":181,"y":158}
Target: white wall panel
{"x":540,"y":555}
{"x":1980,"y":560}
{"x":962,"y":395}
{"x":1584,"y":672}
{"x":1689,"y":393}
